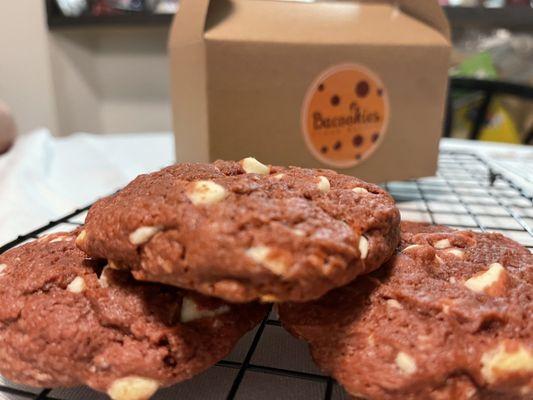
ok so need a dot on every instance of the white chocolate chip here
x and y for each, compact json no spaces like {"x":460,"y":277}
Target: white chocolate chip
{"x":359,"y":190}
{"x":113,"y":265}
{"x":500,"y":362}
{"x":279,"y":176}
{"x":80,"y":239}
{"x":143,"y":234}
{"x":411,"y":247}
{"x":104,"y":278}
{"x":406,"y":363}
{"x":456,"y":252}
{"x":323,"y":184}
{"x":77,"y":285}
{"x":269,"y":298}
{"x":453,"y":281}
{"x":252,"y":166}
{"x":481,"y":283}
{"x":363,"y":247}
{"x":298,"y":232}
{"x":263,"y":255}
{"x":3,"y":267}
{"x":442,"y":244}
{"x":61,"y":239}
{"x":393,"y":303}
{"x":190,"y":311}
{"x":132,"y":388}
{"x":206,"y":192}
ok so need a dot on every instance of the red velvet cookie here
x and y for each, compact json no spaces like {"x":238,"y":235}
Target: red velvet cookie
{"x":244,"y":231}
{"x":67,"y":320}
{"x":449,"y":317}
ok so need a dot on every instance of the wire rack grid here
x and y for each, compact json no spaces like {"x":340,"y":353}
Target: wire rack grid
{"x":268,"y":363}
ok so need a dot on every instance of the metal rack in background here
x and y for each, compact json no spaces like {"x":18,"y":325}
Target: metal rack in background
{"x":268,"y":363}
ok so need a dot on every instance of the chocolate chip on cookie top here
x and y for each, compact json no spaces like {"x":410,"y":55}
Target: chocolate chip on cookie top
{"x":449,"y":317}
{"x":67,"y":320}
{"x":244,"y":230}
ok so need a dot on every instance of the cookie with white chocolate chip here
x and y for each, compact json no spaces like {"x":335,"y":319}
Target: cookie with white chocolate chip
{"x":244,"y":231}
{"x":448,"y":317}
{"x":67,"y":320}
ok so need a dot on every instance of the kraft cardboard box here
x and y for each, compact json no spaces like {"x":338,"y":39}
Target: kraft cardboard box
{"x":357,"y":86}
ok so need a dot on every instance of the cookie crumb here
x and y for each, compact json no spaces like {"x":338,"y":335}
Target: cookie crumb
{"x":143,"y":234}
{"x":252,"y":166}
{"x":206,"y":193}
{"x":323,"y":184}
{"x":190,"y":311}
{"x":406,"y":363}
{"x":77,"y":285}
{"x":132,"y":388}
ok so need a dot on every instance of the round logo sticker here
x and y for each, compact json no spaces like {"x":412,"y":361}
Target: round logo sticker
{"x":344,"y":115}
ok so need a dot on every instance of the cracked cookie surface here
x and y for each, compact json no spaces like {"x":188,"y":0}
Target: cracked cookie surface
{"x":448,"y":317}
{"x":67,"y":320}
{"x":244,"y":230}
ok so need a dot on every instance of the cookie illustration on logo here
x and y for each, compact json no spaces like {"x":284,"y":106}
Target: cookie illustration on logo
{"x":345,"y":115}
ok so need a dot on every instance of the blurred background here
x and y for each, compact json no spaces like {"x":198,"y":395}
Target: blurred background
{"x":101,"y":66}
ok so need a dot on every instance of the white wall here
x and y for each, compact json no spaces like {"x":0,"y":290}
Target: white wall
{"x":111,"y":80}
{"x":94,"y":79}
{"x":25,"y":69}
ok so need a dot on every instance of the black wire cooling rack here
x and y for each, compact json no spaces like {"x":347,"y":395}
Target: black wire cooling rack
{"x":268,"y":363}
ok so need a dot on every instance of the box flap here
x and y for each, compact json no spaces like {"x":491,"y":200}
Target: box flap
{"x":189,"y":22}
{"x":260,"y":20}
{"x":325,"y":22}
{"x":429,"y":12}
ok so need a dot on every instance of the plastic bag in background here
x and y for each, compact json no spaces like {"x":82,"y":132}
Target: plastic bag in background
{"x":162,"y":6}
{"x":511,"y":53}
{"x":72,"y":8}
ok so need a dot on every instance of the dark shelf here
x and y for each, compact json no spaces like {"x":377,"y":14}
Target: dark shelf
{"x":137,"y":19}
{"x":514,"y":18}
{"x":56,"y":20}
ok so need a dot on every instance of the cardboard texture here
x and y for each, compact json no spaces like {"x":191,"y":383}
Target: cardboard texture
{"x":357,"y":86}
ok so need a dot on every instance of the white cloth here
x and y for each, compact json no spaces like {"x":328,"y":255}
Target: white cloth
{"x":43,"y":178}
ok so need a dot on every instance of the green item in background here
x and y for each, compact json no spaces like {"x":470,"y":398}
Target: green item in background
{"x":478,"y":66}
